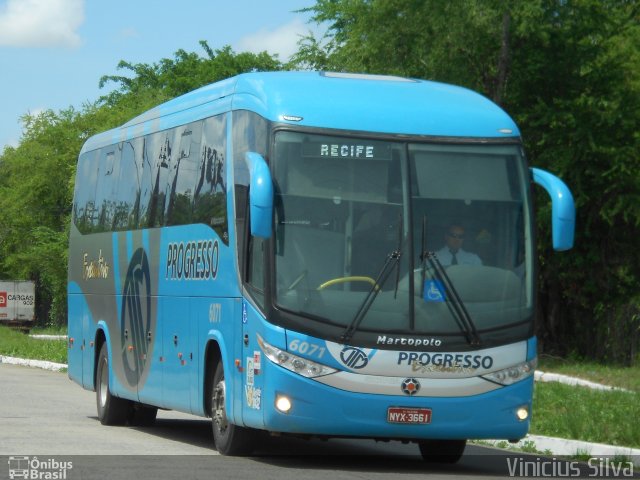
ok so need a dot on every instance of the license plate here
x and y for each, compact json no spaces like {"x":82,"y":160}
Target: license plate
{"x":411,"y":416}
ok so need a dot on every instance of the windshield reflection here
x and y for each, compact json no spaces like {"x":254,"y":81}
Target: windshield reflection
{"x":344,"y":205}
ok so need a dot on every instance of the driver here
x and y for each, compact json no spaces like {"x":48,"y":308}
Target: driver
{"x":452,"y":252}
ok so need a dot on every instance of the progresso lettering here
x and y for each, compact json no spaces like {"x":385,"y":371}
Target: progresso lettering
{"x":193,"y":260}
{"x":445,"y":360}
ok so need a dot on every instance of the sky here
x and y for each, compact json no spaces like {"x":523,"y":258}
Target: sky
{"x":53,"y":52}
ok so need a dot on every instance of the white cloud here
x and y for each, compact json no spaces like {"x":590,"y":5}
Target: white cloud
{"x":41,"y":23}
{"x":283,"y":40}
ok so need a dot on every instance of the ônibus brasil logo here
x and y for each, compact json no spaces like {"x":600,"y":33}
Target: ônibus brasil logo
{"x":34,"y":468}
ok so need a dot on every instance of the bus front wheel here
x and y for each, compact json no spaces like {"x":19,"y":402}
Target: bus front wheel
{"x":442,"y":451}
{"x":229,"y":439}
{"x":111,"y":410}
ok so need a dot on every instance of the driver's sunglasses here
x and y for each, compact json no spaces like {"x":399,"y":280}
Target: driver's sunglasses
{"x":459,"y":236}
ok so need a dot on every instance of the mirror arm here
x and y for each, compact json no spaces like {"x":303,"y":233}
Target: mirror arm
{"x":563,"y":210}
{"x":260,"y":195}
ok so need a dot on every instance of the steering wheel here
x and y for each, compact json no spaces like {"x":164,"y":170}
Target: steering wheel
{"x":298,"y":279}
{"x":336,"y":281}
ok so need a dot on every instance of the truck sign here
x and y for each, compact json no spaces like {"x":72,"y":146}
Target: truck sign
{"x":17,"y":302}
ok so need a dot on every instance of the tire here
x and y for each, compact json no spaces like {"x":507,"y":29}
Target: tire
{"x":111,"y":410}
{"x":442,"y":451}
{"x":142,"y":415}
{"x":229,"y":439}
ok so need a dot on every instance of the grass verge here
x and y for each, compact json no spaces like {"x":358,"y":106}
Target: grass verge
{"x":18,"y":344}
{"x":49,"y":331}
{"x":583,"y":414}
{"x":623,"y":377}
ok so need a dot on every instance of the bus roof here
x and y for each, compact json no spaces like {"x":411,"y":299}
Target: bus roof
{"x":354,"y":102}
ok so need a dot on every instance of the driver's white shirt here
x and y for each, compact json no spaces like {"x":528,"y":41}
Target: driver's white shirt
{"x":463,"y":257}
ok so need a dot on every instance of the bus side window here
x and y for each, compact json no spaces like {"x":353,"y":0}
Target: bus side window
{"x":84,"y":206}
{"x":104,"y":200}
{"x":183,"y":175}
{"x":157,"y":155}
{"x":145,"y":183}
{"x":250,"y":134}
{"x":128,"y":195}
{"x":210,"y":195}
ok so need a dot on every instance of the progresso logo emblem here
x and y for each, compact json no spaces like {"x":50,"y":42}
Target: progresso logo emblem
{"x":135,"y":317}
{"x":354,"y":358}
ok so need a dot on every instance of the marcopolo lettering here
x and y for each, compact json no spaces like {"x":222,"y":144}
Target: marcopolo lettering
{"x":410,"y":342}
{"x":446,"y":360}
{"x":193,"y":260}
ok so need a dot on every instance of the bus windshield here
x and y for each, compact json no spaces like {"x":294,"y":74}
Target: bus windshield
{"x":428,"y":232}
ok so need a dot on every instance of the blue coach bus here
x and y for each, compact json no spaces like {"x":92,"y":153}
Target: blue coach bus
{"x":270,"y":251}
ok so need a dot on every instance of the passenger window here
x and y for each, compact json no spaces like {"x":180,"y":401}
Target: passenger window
{"x":183,"y":175}
{"x":158,"y":148}
{"x":86,"y":177}
{"x":130,"y":171}
{"x":104,"y":200}
{"x":210,"y":196}
{"x":250,"y":134}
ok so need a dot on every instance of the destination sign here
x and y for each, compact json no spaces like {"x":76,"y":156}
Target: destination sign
{"x":347,"y":150}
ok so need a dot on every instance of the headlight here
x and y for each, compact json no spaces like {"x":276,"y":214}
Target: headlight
{"x":513,"y":374}
{"x":296,"y":364}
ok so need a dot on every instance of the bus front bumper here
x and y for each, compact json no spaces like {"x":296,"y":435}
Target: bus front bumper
{"x":318,"y":409}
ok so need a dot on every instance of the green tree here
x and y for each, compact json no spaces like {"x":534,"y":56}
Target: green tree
{"x":568,"y":71}
{"x":465,"y":42}
{"x":579,"y":105}
{"x":37,"y":177}
{"x":171,"y":77}
{"x":35,"y":198}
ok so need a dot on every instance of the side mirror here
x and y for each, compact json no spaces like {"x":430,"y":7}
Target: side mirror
{"x":260,"y":195}
{"x":563,"y":211}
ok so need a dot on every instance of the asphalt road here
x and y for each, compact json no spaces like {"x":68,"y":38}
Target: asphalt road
{"x":45,"y":416}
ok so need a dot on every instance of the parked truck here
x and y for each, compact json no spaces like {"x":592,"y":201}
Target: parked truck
{"x":17,"y":303}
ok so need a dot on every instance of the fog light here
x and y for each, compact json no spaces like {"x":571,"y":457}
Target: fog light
{"x":522,"y":413}
{"x":283,"y":403}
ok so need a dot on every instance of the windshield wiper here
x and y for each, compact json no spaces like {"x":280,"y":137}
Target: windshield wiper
{"x":392,"y":261}
{"x":456,"y":305}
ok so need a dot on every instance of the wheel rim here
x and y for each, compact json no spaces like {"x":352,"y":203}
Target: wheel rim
{"x":217,"y":406}
{"x":104,"y":384}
